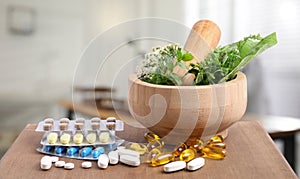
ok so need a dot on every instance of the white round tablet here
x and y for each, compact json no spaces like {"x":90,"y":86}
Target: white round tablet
{"x":54,"y":159}
{"x":60,"y":164}
{"x":69,"y":166}
{"x":86,"y":164}
{"x":46,"y":163}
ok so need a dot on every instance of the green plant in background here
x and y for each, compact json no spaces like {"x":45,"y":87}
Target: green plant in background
{"x":219,"y":66}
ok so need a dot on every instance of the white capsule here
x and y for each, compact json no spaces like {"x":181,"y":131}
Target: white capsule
{"x":196,"y":163}
{"x":129,"y":152}
{"x":103,"y":161}
{"x":174,"y":166}
{"x":46,"y":163}
{"x":130,"y":160}
{"x":54,"y":159}
{"x":86,"y":164}
{"x":69,"y":166}
{"x":113,"y":157}
{"x":60,"y":164}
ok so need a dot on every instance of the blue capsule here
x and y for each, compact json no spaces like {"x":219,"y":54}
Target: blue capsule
{"x":72,"y":150}
{"x":60,"y":149}
{"x":97,"y":152}
{"x":84,"y":152}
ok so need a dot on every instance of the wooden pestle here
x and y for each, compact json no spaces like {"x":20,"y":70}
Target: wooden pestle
{"x":203,"y":38}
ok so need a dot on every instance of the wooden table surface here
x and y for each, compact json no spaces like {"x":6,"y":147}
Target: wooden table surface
{"x":251,"y":154}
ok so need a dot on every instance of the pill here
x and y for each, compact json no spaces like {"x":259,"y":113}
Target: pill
{"x":52,"y":137}
{"x":217,"y":144}
{"x":113,"y":157}
{"x":48,"y":148}
{"x":155,"y":144}
{"x":162,"y":159}
{"x":179,"y":149}
{"x":86,"y":151}
{"x":130,"y":160}
{"x":196,"y":163}
{"x":97,"y":151}
{"x":86,"y":164}
{"x":104,"y":137}
{"x":60,"y":149}
{"x":78,"y":138}
{"x":91,"y":138}
{"x":188,"y":154}
{"x":69,"y":166}
{"x":60,"y":164}
{"x":152,"y":154}
{"x":64,"y":120}
{"x":49,"y":121}
{"x":65,"y":138}
{"x":72,"y":150}
{"x":174,"y":166}
{"x":140,"y":148}
{"x":214,"y":153}
{"x":217,"y":138}
{"x":46,"y":163}
{"x":103,"y":161}
{"x":129,"y":152}
{"x":196,"y":144}
{"x":150,"y":137}
{"x":54,"y":159}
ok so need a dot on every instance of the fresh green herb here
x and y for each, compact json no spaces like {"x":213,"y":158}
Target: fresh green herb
{"x":223,"y":63}
{"x":158,"y":65}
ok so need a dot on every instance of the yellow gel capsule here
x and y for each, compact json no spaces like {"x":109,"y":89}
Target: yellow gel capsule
{"x":91,"y":138}
{"x":216,"y":144}
{"x":217,"y":138}
{"x":150,"y":137}
{"x":52,"y":138}
{"x":140,"y":148}
{"x":155,"y":144}
{"x":196,"y":144}
{"x":162,"y":159}
{"x":104,"y":137}
{"x":78,"y":138}
{"x":152,"y":154}
{"x":65,"y":138}
{"x":179,"y":149}
{"x":188,"y":154}
{"x":214,"y":153}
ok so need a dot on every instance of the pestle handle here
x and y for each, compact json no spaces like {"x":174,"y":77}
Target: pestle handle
{"x":203,"y":38}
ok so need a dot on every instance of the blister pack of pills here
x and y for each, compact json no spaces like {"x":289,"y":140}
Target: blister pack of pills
{"x":79,"y":138}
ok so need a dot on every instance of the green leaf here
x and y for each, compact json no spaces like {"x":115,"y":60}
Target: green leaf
{"x":187,"y":57}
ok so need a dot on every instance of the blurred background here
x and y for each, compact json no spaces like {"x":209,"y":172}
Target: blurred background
{"x":41,"y":43}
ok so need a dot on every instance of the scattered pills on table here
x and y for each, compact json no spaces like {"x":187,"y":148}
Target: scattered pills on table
{"x":65,"y":138}
{"x":91,"y":137}
{"x":54,"y":159}
{"x":60,"y":164}
{"x":217,"y":144}
{"x":78,"y":138}
{"x":162,"y":159}
{"x":217,"y":138}
{"x":113,"y":157}
{"x":152,"y":154}
{"x":196,"y":144}
{"x":188,"y":154}
{"x":130,"y":160}
{"x":86,"y":164}
{"x":129,"y":152}
{"x":104,"y":137}
{"x":46,"y":163}
{"x":103,"y":161}
{"x":174,"y":166}
{"x":196,"y":164}
{"x":214,"y":153}
{"x":52,"y":137}
{"x":69,"y":166}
